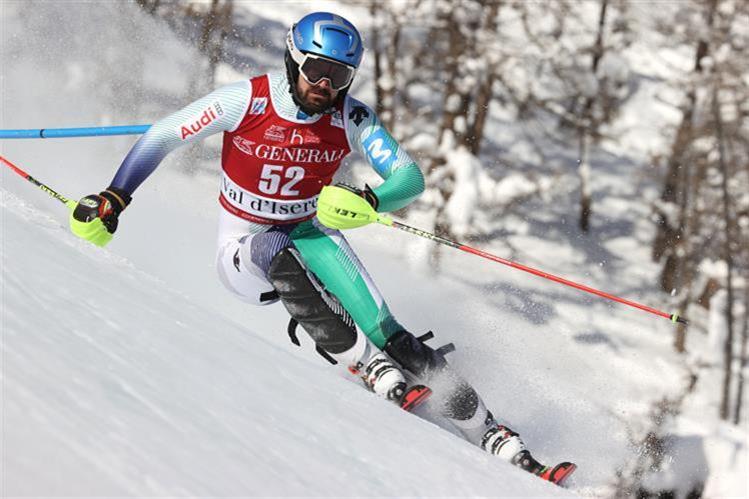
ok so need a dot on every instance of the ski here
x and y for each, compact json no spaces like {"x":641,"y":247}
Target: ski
{"x":558,"y":474}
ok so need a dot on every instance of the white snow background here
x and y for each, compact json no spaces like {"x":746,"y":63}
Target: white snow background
{"x":130,"y":371}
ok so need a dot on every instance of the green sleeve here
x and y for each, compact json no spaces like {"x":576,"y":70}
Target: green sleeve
{"x":403,"y":180}
{"x":402,"y":187}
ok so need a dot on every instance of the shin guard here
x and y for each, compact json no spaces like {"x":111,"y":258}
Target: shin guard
{"x":318,"y":312}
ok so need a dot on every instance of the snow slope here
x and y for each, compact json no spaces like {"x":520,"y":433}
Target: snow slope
{"x":115,"y":385}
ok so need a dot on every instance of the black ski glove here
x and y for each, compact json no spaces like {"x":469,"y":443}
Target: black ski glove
{"x":95,"y":217}
{"x":367,"y":193}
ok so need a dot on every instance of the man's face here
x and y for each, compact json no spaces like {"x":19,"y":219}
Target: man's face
{"x":317,"y":97}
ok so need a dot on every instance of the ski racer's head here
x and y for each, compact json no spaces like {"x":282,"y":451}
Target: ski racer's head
{"x":323,"y":51}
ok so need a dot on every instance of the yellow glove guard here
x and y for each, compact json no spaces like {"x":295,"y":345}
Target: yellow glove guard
{"x":93,"y":231}
{"x":339,"y":208}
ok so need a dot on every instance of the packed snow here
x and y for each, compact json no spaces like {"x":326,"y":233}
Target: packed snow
{"x":115,"y":384}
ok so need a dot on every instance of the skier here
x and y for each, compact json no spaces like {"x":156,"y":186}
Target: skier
{"x":284,"y":137}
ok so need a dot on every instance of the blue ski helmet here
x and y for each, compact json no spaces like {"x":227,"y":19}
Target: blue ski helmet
{"x":324,"y":37}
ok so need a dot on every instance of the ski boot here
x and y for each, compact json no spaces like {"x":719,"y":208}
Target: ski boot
{"x":384,"y":378}
{"x":505,"y":443}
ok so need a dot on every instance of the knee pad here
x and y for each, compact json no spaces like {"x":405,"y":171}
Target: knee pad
{"x":318,"y":312}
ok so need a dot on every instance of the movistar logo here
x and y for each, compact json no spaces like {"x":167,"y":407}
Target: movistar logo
{"x":377,"y":152}
{"x":381,"y":150}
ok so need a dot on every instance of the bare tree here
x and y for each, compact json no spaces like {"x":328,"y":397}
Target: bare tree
{"x":671,"y":211}
{"x":467,"y":37}
{"x":586,"y":126}
{"x":727,"y":256}
{"x":743,"y":356}
{"x":588,"y":92}
{"x":216,"y":24}
{"x":701,"y":200}
{"x":386,"y":35}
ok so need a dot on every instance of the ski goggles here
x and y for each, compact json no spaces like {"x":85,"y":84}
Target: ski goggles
{"x":315,"y":68}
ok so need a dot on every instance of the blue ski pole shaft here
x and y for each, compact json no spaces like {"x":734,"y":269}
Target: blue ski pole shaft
{"x":54,"y":133}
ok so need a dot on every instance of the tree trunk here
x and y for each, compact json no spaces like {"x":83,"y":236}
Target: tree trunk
{"x":377,"y":52}
{"x":484,"y":96}
{"x":454,"y":107}
{"x":743,"y":358}
{"x":453,"y":101}
{"x":674,"y":184}
{"x":392,"y":62}
{"x":680,"y":337}
{"x":688,"y":256}
{"x":458,"y":98}
{"x":725,"y":402}
{"x":587,"y":127}
{"x":483,"y":99}
{"x":583,"y":170}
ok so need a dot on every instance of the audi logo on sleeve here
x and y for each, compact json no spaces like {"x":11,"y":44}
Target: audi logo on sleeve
{"x":196,"y":124}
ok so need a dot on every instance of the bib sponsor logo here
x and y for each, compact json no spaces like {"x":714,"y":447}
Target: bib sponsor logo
{"x":243,"y":144}
{"x":296,"y":137}
{"x":336,"y":119}
{"x":310,"y":137}
{"x":236,"y":198}
{"x":195,"y":125}
{"x":380,"y":153}
{"x":258,"y":105}
{"x":296,"y":155}
{"x":275,"y":133}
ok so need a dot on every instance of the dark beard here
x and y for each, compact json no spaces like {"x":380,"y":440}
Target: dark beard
{"x":319,"y":105}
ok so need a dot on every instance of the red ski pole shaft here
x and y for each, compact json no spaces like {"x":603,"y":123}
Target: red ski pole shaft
{"x":67,"y":202}
{"x":540,"y":273}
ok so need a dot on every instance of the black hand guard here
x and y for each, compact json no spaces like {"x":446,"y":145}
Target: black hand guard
{"x":367,"y":193}
{"x":106,"y":206}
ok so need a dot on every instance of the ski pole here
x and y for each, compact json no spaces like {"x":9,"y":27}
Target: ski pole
{"x":67,"y":202}
{"x":359,"y":212}
{"x":55,"y":133}
{"x":530,"y":270}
